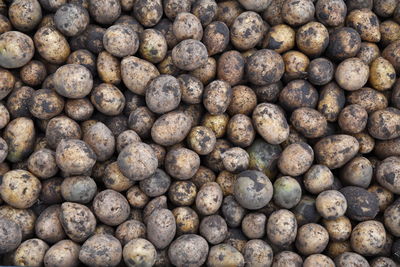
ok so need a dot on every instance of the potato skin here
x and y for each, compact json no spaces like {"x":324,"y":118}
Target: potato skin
{"x":266,"y":67}
{"x":111,"y":207}
{"x":188,"y":250}
{"x":10,"y":233}
{"x":189,"y":54}
{"x":281,"y":228}
{"x":100,"y":138}
{"x":352,"y":74}
{"x":101,"y":250}
{"x":48,"y":226}
{"x":73,"y":81}
{"x":21,"y":44}
{"x":161,"y":228}
{"x":361,"y":204}
{"x":311,"y":239}
{"x":368,"y":238}
{"x":163,"y":94}
{"x":224,"y":255}
{"x":19,"y":135}
{"x":209,"y":198}
{"x":383,"y":124}
{"x":217,"y":96}
{"x":31,"y":253}
{"x":139,"y":252}
{"x":63,"y":253}
{"x":51,"y":45}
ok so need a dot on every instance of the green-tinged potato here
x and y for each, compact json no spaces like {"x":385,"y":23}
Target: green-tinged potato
{"x":361,"y":204}
{"x":161,"y":228}
{"x":188,"y":250}
{"x":368,"y":238}
{"x":264,"y":157}
{"x":101,"y":250}
{"x":79,"y":189}
{"x":30,"y":253}
{"x":153,"y":45}
{"x":64,"y":253}
{"x":311,"y":239}
{"x":281,"y":228}
{"x":209,"y":198}
{"x":10,"y":233}
{"x":51,"y":45}
{"x":287,"y":192}
{"x":139,"y":252}
{"x":224,"y":255}
{"x":48,"y":226}
{"x":33,"y":73}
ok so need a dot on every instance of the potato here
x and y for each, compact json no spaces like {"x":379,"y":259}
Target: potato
{"x":247,"y":30}
{"x":209,"y":198}
{"x":163,"y":94}
{"x":161,"y":228}
{"x":10,"y":233}
{"x":339,"y":229}
{"x":336,"y":150}
{"x":357,"y":172}
{"x":331,"y":13}
{"x":173,"y":7}
{"x":368,"y":52}
{"x":305,"y":211}
{"x":51,"y":45}
{"x":311,"y":239}
{"x":253,"y":225}
{"x":80,"y":189}
{"x":368,"y":238}
{"x":353,"y":119}
{"x":153,"y":45}
{"x":350,"y":258}
{"x":391,"y":53}
{"x":73,"y":81}
{"x":46,"y":104}
{"x":216,"y":37}
{"x":8,"y":81}
{"x":344,"y":43}
{"x":71,"y":19}
{"x":366,"y":23}
{"x":214,"y":159}
{"x":383,"y":261}
{"x":287,"y":258}
{"x":25,"y":218}
{"x":361,"y":204}
{"x":48,"y":226}
{"x":171,"y":128}
{"x":182,"y":163}
{"x":287,"y":192}
{"x":331,"y":204}
{"x":205,"y":10}
{"x":101,"y":140}
{"x":5,"y":24}
{"x":25,"y":14}
{"x":352,"y":74}
{"x":388,"y":173}
{"x":121,"y":41}
{"x":383,"y":124}
{"x":391,"y":219}
{"x":389,"y":32}
{"x":281,"y":228}
{"x":101,"y":250}
{"x":235,"y":159}
{"x":130,"y":230}
{"x":232,"y":211}
{"x":318,"y":260}
{"x":187,"y":26}
{"x":240,"y":130}
{"x":189,"y":249}
{"x":385,"y":197}
{"x":297,"y":94}
{"x":165,"y":27}
{"x":266,"y":67}
{"x":187,"y":220}
{"x":309,"y":122}
{"x":148,"y":12}
{"x":331,"y":101}
{"x":243,"y":100}
{"x":21,"y":53}
{"x":51,"y":191}
{"x":231,"y":67}
{"x":253,"y":189}
{"x":139,"y":252}
{"x":63,"y":253}
{"x":111,"y":207}
{"x":214,"y":229}
{"x":136,"y":73}
{"x":108,"y":68}
{"x":312,"y":39}
{"x":136,"y":197}
{"x":207,"y":72}
{"x":371,"y":100}
{"x":30,"y":253}
{"x":33,"y":73}
{"x":224,"y":255}
{"x":59,"y":128}
{"x":182,"y":193}
{"x":228,"y":11}
{"x":296,"y":159}
{"x":382,"y":74}
{"x":280,"y":38}
{"x":105,"y":11}
{"x":297,"y":13}
{"x":189,"y":54}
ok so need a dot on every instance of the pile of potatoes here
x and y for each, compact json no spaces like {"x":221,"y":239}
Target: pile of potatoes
{"x":200,"y":133}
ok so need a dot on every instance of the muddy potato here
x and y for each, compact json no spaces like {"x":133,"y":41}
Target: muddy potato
{"x":331,"y":13}
{"x":189,"y":55}
{"x":30,"y":253}
{"x":228,"y":11}
{"x":384,"y":124}
{"x":226,"y":181}
{"x":18,"y":102}
{"x":350,"y":259}
{"x":230,"y":67}
{"x":352,"y":74}
{"x":125,"y":138}
{"x":216,"y":37}
{"x":311,"y":239}
{"x":7,"y":83}
{"x":371,"y":100}
{"x":391,"y":219}
{"x":111,"y":207}
{"x":75,"y":157}
{"x":5,"y":24}
{"x":331,"y":102}
{"x":209,"y":198}
{"x":136,"y":73}
{"x":388,"y":174}
{"x":46,"y":104}
{"x":305,"y":211}
{"x":201,"y":139}
{"x":3,"y":149}
{"x":141,"y":121}
{"x":148,"y":12}
{"x":51,"y":45}
{"x":79,"y":189}
{"x":173,"y":7}
{"x":33,"y":73}
{"x":17,"y":49}
{"x":153,"y":45}
{"x":312,"y":39}
{"x":42,"y":163}
{"x":387,"y":148}
{"x":361,"y":204}
{"x":253,"y":225}
{"x":171,"y":128}
{"x":101,"y":250}
{"x":48,"y":226}
{"x":385,"y":197}
{"x":25,"y":14}
{"x":233,"y":213}
{"x":224,"y":255}
{"x":71,"y":19}
{"x":63,"y":253}
{"x":182,"y":193}
{"x":202,"y":176}
{"x":366,"y":23}
{"x":188,"y":249}
{"x":25,"y":218}
{"x":296,"y":159}
{"x":182,"y":163}
{"x":296,"y":64}
{"x":247,"y":30}
{"x":368,"y":52}
{"x":167,"y":66}
{"x":73,"y":81}
{"x":329,"y":150}
{"x":320,"y":71}
{"x":309,"y":122}
{"x":266,"y":67}
{"x":163,"y":94}
{"x":318,"y":260}
{"x":286,"y":259}
{"x":353,"y":119}
{"x":121,"y":41}
{"x":281,"y":228}
{"x":51,"y":191}
{"x":368,"y":238}
{"x":389,"y":32}
{"x":108,"y":68}
{"x":235,"y":159}
{"x":280,"y":38}
{"x":60,"y":128}
{"x":191,"y":89}
{"x":187,"y":26}
{"x":344,"y":43}
{"x":253,"y":189}
{"x":10,"y":234}
{"x":217,"y":123}
{"x":357,"y":172}
{"x":382,"y":74}
{"x":78,"y":109}
{"x":339,"y":229}
{"x":105,"y":11}
{"x":139,"y":252}
{"x":108,"y":99}
{"x":391,"y":53}
{"x":136,"y":197}
{"x":383,"y":261}
{"x":207,"y":72}
{"x":258,"y":253}
{"x":240,"y":130}
{"x":331,"y":204}
{"x":130,"y":230}
{"x":187,"y":220}
{"x":236,"y":239}
{"x":214,"y":229}
{"x":157,"y":184}
{"x":20,"y":189}
{"x":100,"y":138}
{"x":243,"y":101}
{"x":297,"y":94}
{"x":161,"y":228}
{"x":297,"y":13}
{"x":287,"y":192}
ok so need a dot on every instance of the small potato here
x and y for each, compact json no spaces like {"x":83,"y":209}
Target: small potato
{"x":287,"y":192}
{"x":73,"y":81}
{"x":371,"y":100}
{"x":214,"y":229}
{"x":366,"y":23}
{"x":331,"y":101}
{"x":163,"y":94}
{"x":191,"y":89}
{"x":187,"y":26}
{"x":235,"y":159}
{"x":353,"y":119}
{"x":357,"y":172}
{"x":136,"y":73}
{"x":136,"y":197}
{"x":391,"y":219}
{"x":189,"y":54}
{"x":297,"y":94}
{"x":80,"y":189}
{"x":187,"y":220}
{"x":157,"y":184}
{"x":173,"y":7}
{"x":216,"y":37}
{"x":16,"y":48}
{"x":25,"y":14}
{"x":104,"y":11}
{"x":382,"y":74}
{"x":10,"y":235}
{"x":205,"y":10}
{"x":51,"y":191}
{"x":264,"y":157}
{"x":207,"y":72}
{"x":266,"y":67}
{"x":130,"y":230}
{"x":385,"y":197}
{"x":384,"y":124}
{"x":241,"y":131}
{"x":171,"y":128}
{"x":111,"y":207}
{"x":311,"y":239}
{"x":153,"y":45}
{"x":281,"y":228}
{"x":228,"y":11}
{"x":63,"y":253}
{"x":101,"y":250}
{"x":33,"y":73}
{"x":296,"y":64}
{"x":161,"y":228}
{"x":287,"y":258}
{"x":389,"y":32}
{"x":201,"y":139}
{"x":231,"y":66}
{"x":188,"y":250}
{"x":75,"y":157}
{"x":312,"y":39}
{"x":48,"y":226}
{"x":7,"y":84}
{"x":320,"y":71}
{"x":253,"y":189}
{"x":391,"y":53}
{"x":232,"y":211}
{"x":344,"y":42}
{"x":318,"y":260}
{"x":3,"y":149}
{"x":18,"y":102}
{"x":100,"y":138}
{"x":182,"y":193}
{"x":387,"y":148}
{"x":331,"y":204}
{"x":383,"y":261}
{"x":305,"y":211}
{"x":253,"y":225}
{"x":148,"y":12}
{"x":280,"y":38}
{"x":46,"y":104}
{"x":71,"y":19}
{"x":20,"y":189}
{"x":121,"y":41}
{"x":139,"y":252}
{"x":329,"y":150}
{"x":243,"y":101}
{"x":30,"y":253}
{"x":257,"y":253}
{"x":361,"y":204}
{"x":247,"y":30}
{"x":59,"y":128}
{"x":51,"y":45}
{"x":182,"y":163}
{"x":350,"y":258}
{"x":297,"y":13}
{"x":25,"y":218}
{"x":108,"y":99}
{"x":108,"y":68}
{"x":226,"y":181}
{"x":339,"y":229}
{"x":209,"y":198}
{"x":309,"y":122}
{"x":224,"y":255}
{"x":368,"y":52}
{"x":352,"y":74}
{"x":388,"y":174}
{"x":296,"y":159}
{"x":331,"y":13}
{"x":141,"y":120}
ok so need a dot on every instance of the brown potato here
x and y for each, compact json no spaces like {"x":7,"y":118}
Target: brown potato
{"x":281,"y":228}
{"x":353,"y":119}
{"x":16,"y":48}
{"x":73,"y":81}
{"x":228,"y":12}
{"x":382,"y":74}
{"x":297,"y":94}
{"x":311,"y":239}
{"x":139,"y":252}
{"x":51,"y":45}
{"x":5,"y":24}
{"x":366,"y":23}
{"x":111,"y":207}
{"x":108,"y":99}
{"x":391,"y":53}
{"x":280,"y":38}
{"x":388,"y":173}
{"x":331,"y":13}
{"x":7,"y":84}
{"x":209,"y":198}
{"x":339,"y":229}
{"x":63,"y":253}
{"x":350,"y":258}
{"x":101,"y":249}
{"x":71,"y":19}
{"x":207,"y":72}
{"x":371,"y":100}
{"x":187,"y":26}
{"x":389,"y":32}
{"x":297,"y":13}
{"x":230,"y":67}
{"x":48,"y":226}
{"x":309,"y":122}
{"x":266,"y":67}
{"x":46,"y":104}
{"x":148,"y":12}
{"x":205,"y":10}
{"x":189,"y":55}
{"x":214,"y":229}
{"x":51,"y":191}
{"x":33,"y":73}
{"x":121,"y":41}
{"x":30,"y":253}
{"x":384,"y":124}
{"x":153,"y":45}
{"x":387,"y":148}
{"x":108,"y":68}
{"x":273,"y":13}
{"x":161,"y":228}
{"x":25,"y":14}
{"x":136,"y":197}
{"x":80,"y":189}
{"x":188,"y":249}
{"x":224,"y":255}
{"x":247,"y":30}
{"x":60,"y":128}
{"x":344,"y":42}
{"x":352,"y":74}
{"x":368,"y":238}
{"x":368,"y":52}
{"x":296,"y":159}
{"x":331,"y":204}
{"x":312,"y":39}
{"x":163,"y":94}
{"x":357,"y":172}
{"x":42,"y":163}
{"x":129,"y":230}
{"x":24,"y":218}
{"x":287,"y":258}
{"x":361,"y":204}
{"x":104,"y":11}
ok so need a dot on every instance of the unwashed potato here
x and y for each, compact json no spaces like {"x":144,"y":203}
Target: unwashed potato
{"x":30,"y":253}
{"x":224,"y":255}
{"x":10,"y":233}
{"x":63,"y":253}
{"x":139,"y":252}
{"x":101,"y":249}
{"x":188,"y":249}
{"x":22,"y":49}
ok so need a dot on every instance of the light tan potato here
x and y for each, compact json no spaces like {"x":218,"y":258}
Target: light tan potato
{"x":64,"y":253}
{"x":161,"y":228}
{"x":101,"y":250}
{"x":51,"y":45}
{"x":30,"y":253}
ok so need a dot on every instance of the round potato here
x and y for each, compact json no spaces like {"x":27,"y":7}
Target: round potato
{"x":101,"y":250}
{"x":16,"y":48}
